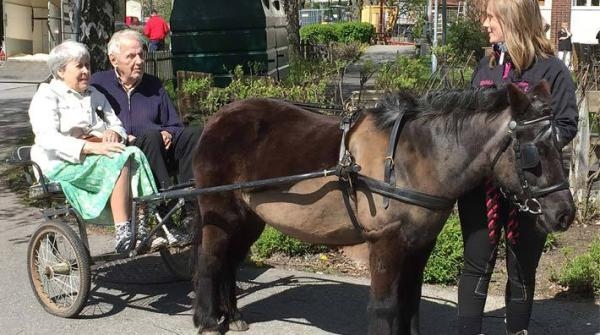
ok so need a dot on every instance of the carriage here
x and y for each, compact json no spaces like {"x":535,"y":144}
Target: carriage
{"x":391,"y":181}
{"x":59,"y":261}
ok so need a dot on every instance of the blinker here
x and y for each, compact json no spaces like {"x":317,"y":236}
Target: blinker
{"x":530,"y":156}
{"x":512,"y":125}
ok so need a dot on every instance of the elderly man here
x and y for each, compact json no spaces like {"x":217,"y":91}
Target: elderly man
{"x":143,"y":106}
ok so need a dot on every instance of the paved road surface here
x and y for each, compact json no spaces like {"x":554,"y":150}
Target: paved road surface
{"x":141,"y":297}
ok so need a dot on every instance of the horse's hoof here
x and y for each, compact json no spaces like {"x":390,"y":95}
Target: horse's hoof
{"x":208,"y":332}
{"x":238,"y":325}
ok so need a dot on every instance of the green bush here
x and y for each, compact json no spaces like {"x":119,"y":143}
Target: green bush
{"x":196,"y":86}
{"x":344,"y":32}
{"x":446,"y":260}
{"x":582,"y":273}
{"x":403,"y":73}
{"x":348,"y":32}
{"x":271,"y":241}
{"x":319,"y":33}
{"x":466,"y":38}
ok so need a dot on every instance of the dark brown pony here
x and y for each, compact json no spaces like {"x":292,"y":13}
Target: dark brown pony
{"x":449,"y":143}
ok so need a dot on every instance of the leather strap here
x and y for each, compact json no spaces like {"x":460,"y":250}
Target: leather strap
{"x":404,"y":195}
{"x":389,"y":176}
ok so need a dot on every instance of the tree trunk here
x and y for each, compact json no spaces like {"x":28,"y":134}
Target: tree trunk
{"x":356,"y":8}
{"x":291,"y":8}
{"x":97,"y":26}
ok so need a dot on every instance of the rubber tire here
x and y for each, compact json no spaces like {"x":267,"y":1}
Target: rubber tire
{"x":82,"y":260}
{"x":178,"y":261}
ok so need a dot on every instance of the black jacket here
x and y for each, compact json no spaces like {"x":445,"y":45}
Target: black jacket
{"x":564,"y":103}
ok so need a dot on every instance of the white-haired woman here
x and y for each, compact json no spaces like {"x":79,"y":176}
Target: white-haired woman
{"x":79,"y":143}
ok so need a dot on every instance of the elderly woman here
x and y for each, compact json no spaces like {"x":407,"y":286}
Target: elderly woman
{"x":79,"y":143}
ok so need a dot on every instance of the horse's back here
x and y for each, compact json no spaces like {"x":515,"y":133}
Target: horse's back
{"x":263,"y":138}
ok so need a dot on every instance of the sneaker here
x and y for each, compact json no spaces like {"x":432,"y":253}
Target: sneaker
{"x":123,"y":237}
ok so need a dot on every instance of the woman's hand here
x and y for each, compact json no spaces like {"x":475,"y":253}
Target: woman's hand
{"x":102,"y":148}
{"x":110,"y":136}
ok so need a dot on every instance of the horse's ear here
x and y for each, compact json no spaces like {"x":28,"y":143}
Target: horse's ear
{"x":542,"y":89}
{"x":517,"y":99}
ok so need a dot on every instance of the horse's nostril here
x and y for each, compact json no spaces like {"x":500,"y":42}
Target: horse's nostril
{"x":564,"y":222}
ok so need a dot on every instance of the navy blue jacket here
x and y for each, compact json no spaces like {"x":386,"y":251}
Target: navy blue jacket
{"x":147,"y":108}
{"x":554,"y":71}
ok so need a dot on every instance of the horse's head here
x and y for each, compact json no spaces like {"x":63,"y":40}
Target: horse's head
{"x":529,"y":164}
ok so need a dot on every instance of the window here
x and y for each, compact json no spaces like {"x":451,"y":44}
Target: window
{"x":594,"y":3}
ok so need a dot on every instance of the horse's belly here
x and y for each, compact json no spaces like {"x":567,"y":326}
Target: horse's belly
{"x":312,"y":211}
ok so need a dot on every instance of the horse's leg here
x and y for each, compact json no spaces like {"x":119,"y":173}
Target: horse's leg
{"x":212,"y":274}
{"x":413,"y":274}
{"x":240,"y":244}
{"x":396,"y":278}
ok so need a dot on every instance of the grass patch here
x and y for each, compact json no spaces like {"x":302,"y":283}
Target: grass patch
{"x":272,"y":241}
{"x":582,"y":273}
{"x":446,"y":260}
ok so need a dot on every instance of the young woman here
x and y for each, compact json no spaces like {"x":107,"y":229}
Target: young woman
{"x":79,"y":142}
{"x":564,"y":44}
{"x":522,"y":55}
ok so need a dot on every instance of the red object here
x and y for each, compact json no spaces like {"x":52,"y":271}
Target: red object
{"x":156,"y":28}
{"x":491,"y":205}
{"x":132,"y":21}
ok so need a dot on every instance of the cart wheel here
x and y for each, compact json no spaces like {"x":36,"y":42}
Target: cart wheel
{"x":179,"y":261}
{"x":59,"y":269}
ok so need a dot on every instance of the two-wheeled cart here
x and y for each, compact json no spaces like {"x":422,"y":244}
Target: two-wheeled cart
{"x":59,"y":262}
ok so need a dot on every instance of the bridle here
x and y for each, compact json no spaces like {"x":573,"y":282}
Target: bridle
{"x":527,"y":157}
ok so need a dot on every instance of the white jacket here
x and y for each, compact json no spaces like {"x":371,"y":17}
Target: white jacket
{"x":59,"y":115}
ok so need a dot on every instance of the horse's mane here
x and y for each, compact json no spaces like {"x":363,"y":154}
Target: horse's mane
{"x":454,"y":106}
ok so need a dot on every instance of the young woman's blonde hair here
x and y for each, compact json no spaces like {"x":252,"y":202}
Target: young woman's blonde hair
{"x":523,"y":28}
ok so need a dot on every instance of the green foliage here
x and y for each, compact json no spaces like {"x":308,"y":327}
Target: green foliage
{"x":319,"y":33}
{"x":550,"y":243}
{"x":466,"y":38}
{"x":446,"y":260}
{"x":345,"y":32}
{"x":348,"y":32}
{"x":308,"y":82}
{"x":403,"y":73}
{"x":582,"y":273}
{"x":196,"y":86}
{"x":271,"y":241}
{"x":170,"y":88}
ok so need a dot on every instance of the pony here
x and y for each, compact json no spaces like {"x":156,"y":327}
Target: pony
{"x":434,"y":148}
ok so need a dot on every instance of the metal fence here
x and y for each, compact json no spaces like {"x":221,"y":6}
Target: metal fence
{"x":159,"y":64}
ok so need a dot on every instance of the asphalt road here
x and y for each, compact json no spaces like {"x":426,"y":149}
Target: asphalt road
{"x":140,"y":297}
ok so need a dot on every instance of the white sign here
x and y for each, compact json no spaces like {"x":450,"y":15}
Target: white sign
{"x":133,"y":8}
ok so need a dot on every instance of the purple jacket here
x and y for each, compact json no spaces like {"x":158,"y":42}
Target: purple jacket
{"x":147,"y":108}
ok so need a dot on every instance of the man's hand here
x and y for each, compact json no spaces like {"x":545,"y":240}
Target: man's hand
{"x":110,"y":136}
{"x":166,"y":136}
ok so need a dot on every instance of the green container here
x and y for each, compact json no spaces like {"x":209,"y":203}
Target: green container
{"x":215,"y":36}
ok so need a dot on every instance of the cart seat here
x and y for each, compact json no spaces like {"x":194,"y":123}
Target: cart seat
{"x":38,"y":187}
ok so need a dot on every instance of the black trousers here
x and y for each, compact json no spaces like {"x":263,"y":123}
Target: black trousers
{"x":176,"y":161}
{"x":480,"y":258}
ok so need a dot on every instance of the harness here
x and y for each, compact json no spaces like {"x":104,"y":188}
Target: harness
{"x":527,"y":157}
{"x":349,"y":172}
